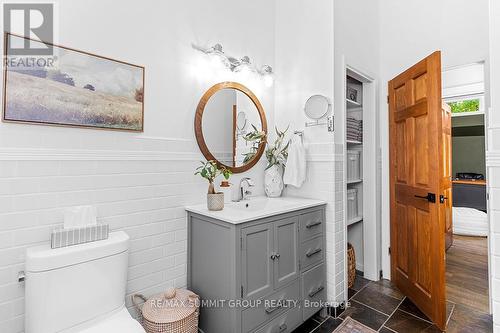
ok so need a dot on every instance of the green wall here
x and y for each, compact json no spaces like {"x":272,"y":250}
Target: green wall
{"x":469,"y":154}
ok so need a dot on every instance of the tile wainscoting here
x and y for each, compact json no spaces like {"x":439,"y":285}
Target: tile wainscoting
{"x":140,"y":192}
{"x":321,"y":181}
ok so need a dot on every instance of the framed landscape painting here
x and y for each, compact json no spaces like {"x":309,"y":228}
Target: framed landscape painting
{"x":72,"y":88}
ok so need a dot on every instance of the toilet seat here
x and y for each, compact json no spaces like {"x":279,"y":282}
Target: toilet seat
{"x":120,"y":322}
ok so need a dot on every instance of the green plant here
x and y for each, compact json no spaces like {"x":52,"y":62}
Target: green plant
{"x":210,"y":170}
{"x":255,"y":137}
{"x":468,"y":105}
{"x":276,"y":154}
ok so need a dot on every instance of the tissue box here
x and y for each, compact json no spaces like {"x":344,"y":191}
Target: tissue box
{"x":67,"y":237}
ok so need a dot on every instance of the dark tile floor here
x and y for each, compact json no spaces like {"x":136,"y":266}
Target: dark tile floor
{"x":385,"y":309}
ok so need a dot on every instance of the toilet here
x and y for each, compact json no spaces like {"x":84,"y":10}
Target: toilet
{"x":79,"y":288}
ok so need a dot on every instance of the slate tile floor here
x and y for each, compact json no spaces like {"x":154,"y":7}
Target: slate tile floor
{"x":382,"y":307}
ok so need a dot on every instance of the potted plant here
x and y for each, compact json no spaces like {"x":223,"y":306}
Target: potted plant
{"x":276,"y":155}
{"x":210,"y":170}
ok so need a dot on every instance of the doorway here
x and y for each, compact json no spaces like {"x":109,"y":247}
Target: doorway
{"x":467,"y":254}
{"x":423,"y":186}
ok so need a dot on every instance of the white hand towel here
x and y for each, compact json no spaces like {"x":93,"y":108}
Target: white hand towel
{"x":295,"y":170}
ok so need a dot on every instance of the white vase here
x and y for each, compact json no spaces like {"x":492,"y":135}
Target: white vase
{"x":273,"y":181}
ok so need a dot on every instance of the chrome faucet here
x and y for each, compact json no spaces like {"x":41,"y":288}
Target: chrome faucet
{"x":244,"y":193}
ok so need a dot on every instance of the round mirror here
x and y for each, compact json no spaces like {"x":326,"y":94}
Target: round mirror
{"x":317,"y":107}
{"x":230,"y":126}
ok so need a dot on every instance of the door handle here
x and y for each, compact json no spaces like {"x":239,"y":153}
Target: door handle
{"x":442,"y":198}
{"x":282,"y":328}
{"x":431,"y":197}
{"x":273,"y":256}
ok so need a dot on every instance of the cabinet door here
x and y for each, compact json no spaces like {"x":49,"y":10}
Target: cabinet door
{"x":286,"y":262}
{"x":257,"y":265}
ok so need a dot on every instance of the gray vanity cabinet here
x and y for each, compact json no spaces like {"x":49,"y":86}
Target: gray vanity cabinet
{"x":253,"y":264}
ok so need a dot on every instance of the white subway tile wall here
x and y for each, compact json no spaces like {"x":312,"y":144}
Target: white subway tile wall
{"x":145,"y":198}
{"x":319,"y":184}
{"x":493,"y":171}
{"x":340,"y":225}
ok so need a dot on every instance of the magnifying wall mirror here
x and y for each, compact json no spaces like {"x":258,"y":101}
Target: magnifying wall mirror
{"x":317,"y":107}
{"x":230,"y":126}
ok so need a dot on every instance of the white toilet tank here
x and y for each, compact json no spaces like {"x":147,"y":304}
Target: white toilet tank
{"x":72,"y":285}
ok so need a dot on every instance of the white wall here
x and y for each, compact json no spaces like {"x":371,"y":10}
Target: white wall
{"x":304,"y":61}
{"x":493,"y":160}
{"x":411,"y":30}
{"x":139,"y":182}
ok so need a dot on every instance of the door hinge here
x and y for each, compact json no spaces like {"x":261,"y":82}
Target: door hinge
{"x":241,"y":291}
{"x":387,"y":99}
{"x":241,"y":243}
{"x":389,"y":250}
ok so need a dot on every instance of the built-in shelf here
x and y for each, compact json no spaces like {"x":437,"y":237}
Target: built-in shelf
{"x":353,"y":142}
{"x":352,"y":104}
{"x":354,"y":181}
{"x":354,"y":221}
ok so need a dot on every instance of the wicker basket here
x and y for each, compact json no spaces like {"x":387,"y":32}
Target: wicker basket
{"x":175,"y":311}
{"x":351,"y":262}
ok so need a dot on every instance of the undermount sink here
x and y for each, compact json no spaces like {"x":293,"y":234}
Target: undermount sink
{"x":255,"y":208}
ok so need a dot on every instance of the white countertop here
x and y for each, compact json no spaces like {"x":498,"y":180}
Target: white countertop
{"x":255,"y":208}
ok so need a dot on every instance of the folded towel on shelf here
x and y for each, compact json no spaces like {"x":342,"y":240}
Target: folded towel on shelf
{"x":295,"y":171}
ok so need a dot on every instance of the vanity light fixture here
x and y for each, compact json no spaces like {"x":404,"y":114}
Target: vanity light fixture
{"x":267,"y":75}
{"x":244,"y":65}
{"x":216,"y":51}
{"x":238,"y":65}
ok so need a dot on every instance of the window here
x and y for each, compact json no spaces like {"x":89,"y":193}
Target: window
{"x":466,"y":104}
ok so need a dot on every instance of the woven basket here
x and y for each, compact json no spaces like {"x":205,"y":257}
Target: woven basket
{"x":175,"y":311}
{"x":351,"y":268}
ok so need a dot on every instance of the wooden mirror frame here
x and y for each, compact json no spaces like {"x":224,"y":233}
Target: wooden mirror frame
{"x":198,"y":128}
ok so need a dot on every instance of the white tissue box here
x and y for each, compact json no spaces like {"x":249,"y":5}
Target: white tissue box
{"x":67,"y":237}
{"x":79,"y":217}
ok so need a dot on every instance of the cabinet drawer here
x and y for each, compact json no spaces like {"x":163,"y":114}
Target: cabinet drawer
{"x":311,"y":224}
{"x":255,"y":316}
{"x":284,"y":323}
{"x":314,"y":289}
{"x":311,"y":252}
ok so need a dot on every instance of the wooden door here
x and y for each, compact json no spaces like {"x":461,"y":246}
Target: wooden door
{"x":286,"y":258}
{"x":416,"y":164}
{"x":446,"y":197}
{"x":257,"y":262}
